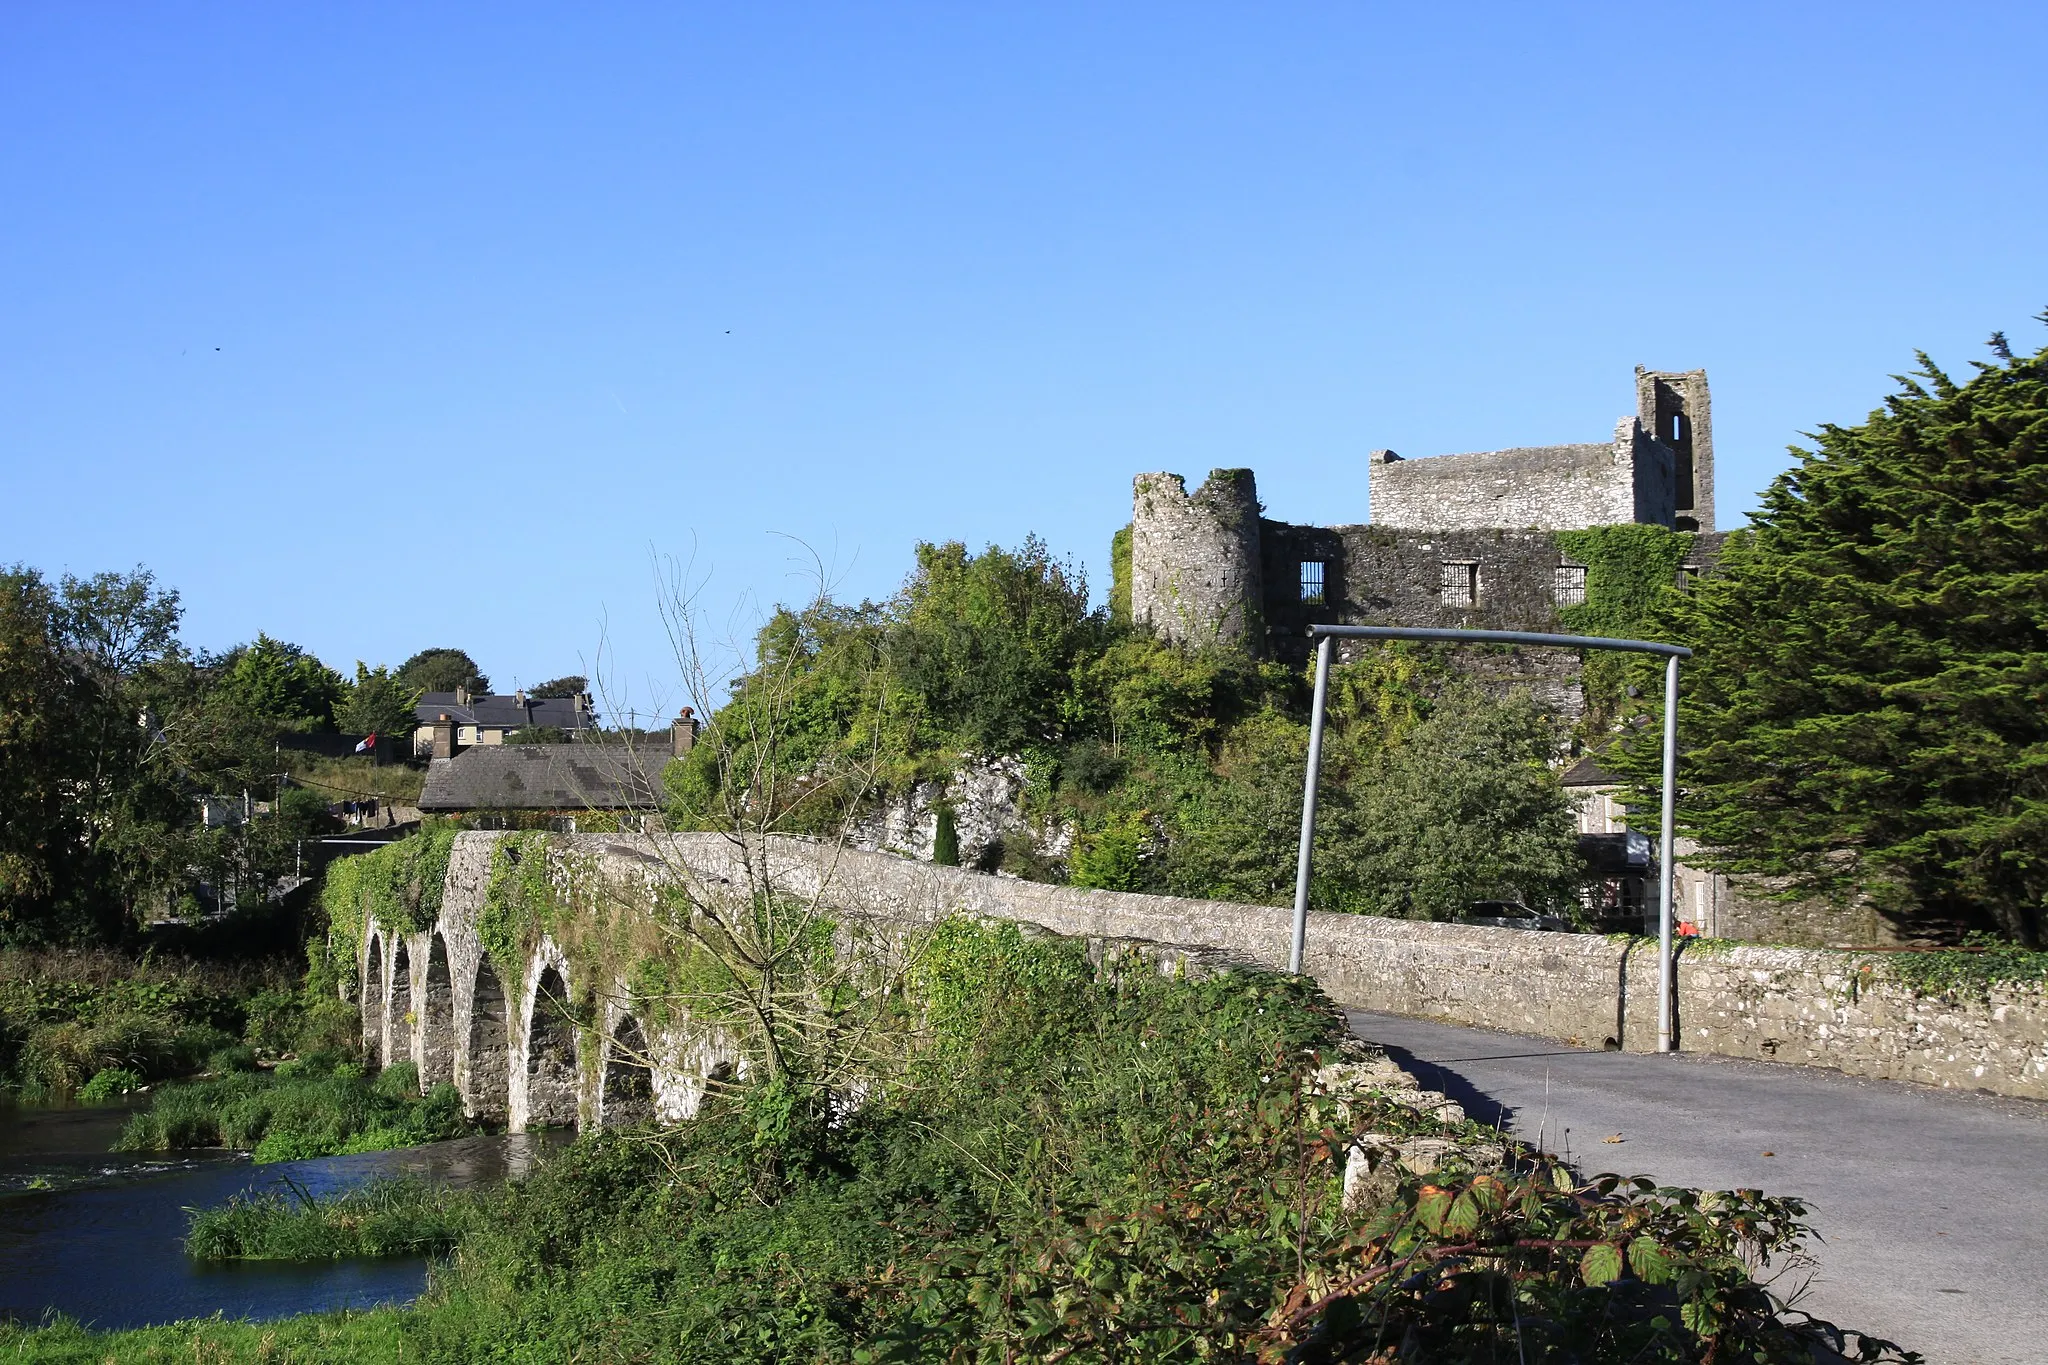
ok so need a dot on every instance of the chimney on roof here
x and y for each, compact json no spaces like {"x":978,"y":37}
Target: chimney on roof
{"x":461,"y":695}
{"x":582,"y":705}
{"x":444,"y":736}
{"x":520,"y":696}
{"x":683,"y":734}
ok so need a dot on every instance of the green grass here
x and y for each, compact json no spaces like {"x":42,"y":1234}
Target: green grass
{"x":393,"y":1217}
{"x":321,"y":1105}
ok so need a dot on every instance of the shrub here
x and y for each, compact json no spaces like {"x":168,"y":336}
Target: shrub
{"x":109,"y":1084}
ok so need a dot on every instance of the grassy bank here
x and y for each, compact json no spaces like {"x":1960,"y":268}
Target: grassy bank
{"x":386,"y":1218}
{"x":68,"y":1016}
{"x":1054,"y":1166}
{"x":319,"y":1105}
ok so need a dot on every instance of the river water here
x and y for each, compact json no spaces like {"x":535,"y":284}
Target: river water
{"x":98,"y":1236}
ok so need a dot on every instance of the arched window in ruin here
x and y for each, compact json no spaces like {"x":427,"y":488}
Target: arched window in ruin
{"x":626,"y":1099}
{"x":437,"y":1018}
{"x":373,"y":998}
{"x":551,"y":1055}
{"x":399,"y":1046}
{"x":490,"y":1065}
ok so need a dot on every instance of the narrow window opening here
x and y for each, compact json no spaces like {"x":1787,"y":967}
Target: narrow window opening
{"x":1688,"y":574}
{"x":1460,"y":584}
{"x":1569,"y":584}
{"x":1312,"y":580}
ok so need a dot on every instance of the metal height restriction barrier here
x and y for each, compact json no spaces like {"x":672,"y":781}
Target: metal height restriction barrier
{"x":1326,"y":636}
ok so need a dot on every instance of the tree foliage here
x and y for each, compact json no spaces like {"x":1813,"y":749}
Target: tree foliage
{"x":570,"y":685}
{"x":1868,"y":710}
{"x":282,"y":684}
{"x":377,"y":703}
{"x":442,"y":670}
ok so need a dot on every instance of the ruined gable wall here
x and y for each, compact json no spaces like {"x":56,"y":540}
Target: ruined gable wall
{"x":1554,"y":487}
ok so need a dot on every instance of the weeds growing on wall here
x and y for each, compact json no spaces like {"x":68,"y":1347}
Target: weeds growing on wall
{"x":1985,"y":963}
{"x":399,"y":886}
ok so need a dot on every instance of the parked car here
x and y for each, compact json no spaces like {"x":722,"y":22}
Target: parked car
{"x":1513,"y":915}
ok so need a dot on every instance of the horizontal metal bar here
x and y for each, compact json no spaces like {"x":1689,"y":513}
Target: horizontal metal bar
{"x":1498,"y":637}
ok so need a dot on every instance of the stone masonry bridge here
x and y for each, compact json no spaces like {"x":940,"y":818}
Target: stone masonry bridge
{"x":505,"y":1035}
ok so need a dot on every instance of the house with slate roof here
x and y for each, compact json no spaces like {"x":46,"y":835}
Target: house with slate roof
{"x":561,"y":781}
{"x":489,"y":719}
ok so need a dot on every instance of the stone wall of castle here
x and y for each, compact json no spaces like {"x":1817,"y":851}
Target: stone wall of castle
{"x":1556,"y":488}
{"x":1195,"y":563}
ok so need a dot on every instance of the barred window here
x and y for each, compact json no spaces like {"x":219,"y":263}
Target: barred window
{"x":1687,"y":575}
{"x":1461,"y":584}
{"x":1312,"y":580}
{"x":1568,"y":581}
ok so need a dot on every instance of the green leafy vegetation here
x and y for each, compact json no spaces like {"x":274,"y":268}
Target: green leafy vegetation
{"x":69,"y":1020}
{"x":319,"y":1105}
{"x":1971,"y":972}
{"x":389,"y":1217}
{"x":1059,"y":1163}
{"x":1173,"y":770}
{"x":1867,"y":714}
{"x":441,"y":669}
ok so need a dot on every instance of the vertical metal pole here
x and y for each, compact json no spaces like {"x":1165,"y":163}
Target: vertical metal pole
{"x":1308,"y":802}
{"x":1664,"y":1041}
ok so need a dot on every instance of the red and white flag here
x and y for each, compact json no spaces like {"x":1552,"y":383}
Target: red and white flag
{"x":368,"y":743}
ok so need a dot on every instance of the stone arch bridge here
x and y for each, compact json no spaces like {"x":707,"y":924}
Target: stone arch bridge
{"x":511,"y":1047}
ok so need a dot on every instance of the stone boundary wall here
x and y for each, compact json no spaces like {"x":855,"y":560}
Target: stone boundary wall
{"x":1815,"y":1007}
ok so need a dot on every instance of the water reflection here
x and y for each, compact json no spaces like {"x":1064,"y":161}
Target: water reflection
{"x":99,"y":1237}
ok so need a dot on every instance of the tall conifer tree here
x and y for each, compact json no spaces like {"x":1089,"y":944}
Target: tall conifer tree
{"x":1868,"y":712}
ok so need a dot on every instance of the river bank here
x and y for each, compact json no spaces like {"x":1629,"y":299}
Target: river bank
{"x":98,"y":1237}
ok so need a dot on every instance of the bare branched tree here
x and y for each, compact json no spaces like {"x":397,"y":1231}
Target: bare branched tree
{"x":740,"y":885}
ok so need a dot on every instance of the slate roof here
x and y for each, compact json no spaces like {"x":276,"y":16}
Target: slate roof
{"x":503,"y":712}
{"x":557,"y":777}
{"x":1587,"y":772}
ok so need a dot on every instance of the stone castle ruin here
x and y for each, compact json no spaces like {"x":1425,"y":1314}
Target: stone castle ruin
{"x":1469,"y":541}
{"x":1454,"y":540}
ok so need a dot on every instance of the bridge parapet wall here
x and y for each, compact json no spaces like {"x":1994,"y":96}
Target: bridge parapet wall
{"x":600,"y":1056}
{"x":1814,"y":1007}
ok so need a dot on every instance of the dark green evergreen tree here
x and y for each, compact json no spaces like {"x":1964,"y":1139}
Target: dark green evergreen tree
{"x":1868,"y":711}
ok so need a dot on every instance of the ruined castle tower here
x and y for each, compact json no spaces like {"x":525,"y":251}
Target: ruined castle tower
{"x":1674,"y":406}
{"x":1195,"y":576}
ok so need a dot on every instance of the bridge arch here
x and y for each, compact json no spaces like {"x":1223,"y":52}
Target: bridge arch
{"x":398,"y":1036}
{"x":488,"y":1074}
{"x":552,"y":1062}
{"x":374,"y":1018}
{"x":625,"y":1089}
{"x":436,"y":1016}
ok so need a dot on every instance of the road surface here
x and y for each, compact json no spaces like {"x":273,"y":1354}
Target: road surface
{"x":1933,"y":1203}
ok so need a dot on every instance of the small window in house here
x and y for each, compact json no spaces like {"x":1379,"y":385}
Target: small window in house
{"x":1687,"y":575}
{"x":1461,"y":584}
{"x":1311,"y":580}
{"x":1569,"y":583}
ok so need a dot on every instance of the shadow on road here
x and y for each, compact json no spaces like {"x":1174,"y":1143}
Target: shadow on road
{"x":1478,"y":1105}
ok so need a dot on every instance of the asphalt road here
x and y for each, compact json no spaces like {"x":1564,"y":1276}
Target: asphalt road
{"x":1933,"y":1204}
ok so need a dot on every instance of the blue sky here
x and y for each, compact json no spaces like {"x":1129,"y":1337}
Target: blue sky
{"x":380,"y":327}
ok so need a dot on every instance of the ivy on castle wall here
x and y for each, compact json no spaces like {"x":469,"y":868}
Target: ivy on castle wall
{"x":1120,"y":577}
{"x":1629,"y":571}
